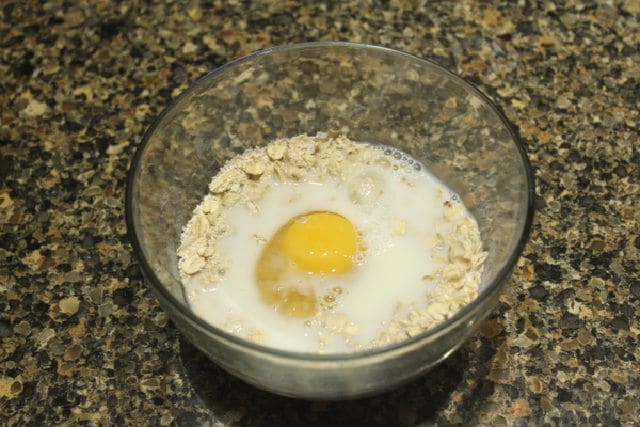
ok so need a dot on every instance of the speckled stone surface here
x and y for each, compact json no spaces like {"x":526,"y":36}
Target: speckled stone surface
{"x":82,"y":340}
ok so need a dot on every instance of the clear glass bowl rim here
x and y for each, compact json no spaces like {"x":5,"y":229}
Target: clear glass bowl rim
{"x":150,"y":275}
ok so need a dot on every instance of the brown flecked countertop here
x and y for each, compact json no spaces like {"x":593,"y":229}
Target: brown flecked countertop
{"x":84,"y":342}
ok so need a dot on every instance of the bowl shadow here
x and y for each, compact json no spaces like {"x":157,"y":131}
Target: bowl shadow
{"x":233,"y":402}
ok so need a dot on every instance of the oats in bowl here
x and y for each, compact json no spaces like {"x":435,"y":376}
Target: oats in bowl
{"x":322,"y":244}
{"x":317,"y":267}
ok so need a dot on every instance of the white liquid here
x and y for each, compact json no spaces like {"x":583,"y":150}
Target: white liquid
{"x":390,"y":273}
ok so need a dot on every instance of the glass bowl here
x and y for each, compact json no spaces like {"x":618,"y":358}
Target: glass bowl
{"x":372,"y":94}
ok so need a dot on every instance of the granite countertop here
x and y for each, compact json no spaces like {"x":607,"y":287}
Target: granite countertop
{"x":83,"y":341}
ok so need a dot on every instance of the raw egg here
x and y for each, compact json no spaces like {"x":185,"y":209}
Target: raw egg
{"x":312,"y":243}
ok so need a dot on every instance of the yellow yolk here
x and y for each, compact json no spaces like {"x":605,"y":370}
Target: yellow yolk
{"x":316,"y":242}
{"x":321,"y":242}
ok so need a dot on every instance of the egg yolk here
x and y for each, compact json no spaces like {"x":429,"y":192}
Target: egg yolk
{"x":317,"y":243}
{"x":321,"y":242}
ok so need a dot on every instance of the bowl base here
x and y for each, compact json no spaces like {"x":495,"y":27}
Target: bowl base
{"x":227,"y":399}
